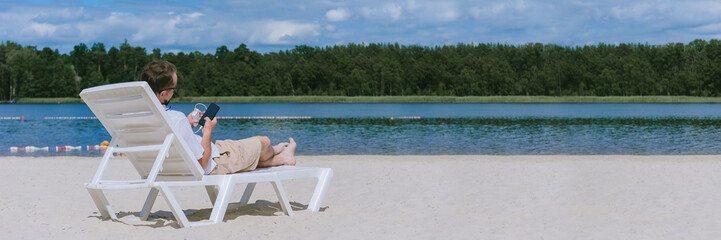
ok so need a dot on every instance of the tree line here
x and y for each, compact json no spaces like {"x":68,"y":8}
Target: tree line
{"x":533,"y":69}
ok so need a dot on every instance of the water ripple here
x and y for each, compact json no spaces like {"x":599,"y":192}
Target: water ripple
{"x":374,"y":135}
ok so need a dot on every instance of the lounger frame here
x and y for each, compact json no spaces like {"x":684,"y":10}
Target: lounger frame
{"x":141,"y":132}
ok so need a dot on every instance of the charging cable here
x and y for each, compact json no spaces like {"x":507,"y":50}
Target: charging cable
{"x":196,"y":115}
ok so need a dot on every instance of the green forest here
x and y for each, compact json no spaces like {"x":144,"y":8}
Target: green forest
{"x":534,"y":69}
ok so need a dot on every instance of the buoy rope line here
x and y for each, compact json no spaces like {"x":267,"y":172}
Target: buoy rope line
{"x":101,"y":146}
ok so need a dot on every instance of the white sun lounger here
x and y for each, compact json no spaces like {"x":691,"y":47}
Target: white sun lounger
{"x":140,"y":130}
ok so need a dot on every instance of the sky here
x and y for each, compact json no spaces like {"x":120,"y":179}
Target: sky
{"x":272,"y":25}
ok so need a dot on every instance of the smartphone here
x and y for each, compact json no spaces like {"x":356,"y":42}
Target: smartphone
{"x":210,"y":113}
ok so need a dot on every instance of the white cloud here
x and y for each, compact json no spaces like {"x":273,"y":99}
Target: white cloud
{"x":42,"y":29}
{"x":713,"y":28}
{"x":59,"y":15}
{"x":525,"y":15}
{"x":26,"y":24}
{"x":279,"y":24}
{"x":165,"y":29}
{"x":194,"y":15}
{"x":282,"y":32}
{"x":120,"y":18}
{"x":636,"y":12}
{"x":389,"y":11}
{"x":156,"y":30}
{"x":499,"y":9}
{"x":448,"y":15}
{"x":337,"y":15}
{"x":669,"y":12}
{"x":436,"y":11}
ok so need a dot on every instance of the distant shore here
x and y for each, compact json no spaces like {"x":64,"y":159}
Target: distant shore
{"x":413,"y":99}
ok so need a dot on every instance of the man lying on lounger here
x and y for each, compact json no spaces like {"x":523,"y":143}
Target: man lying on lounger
{"x":221,"y":157}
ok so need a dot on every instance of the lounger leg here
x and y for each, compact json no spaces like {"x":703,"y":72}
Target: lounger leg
{"x":320,"y":189}
{"x":102,"y":203}
{"x":282,"y":199}
{"x":212,"y":193}
{"x":175,"y":207}
{"x":246,"y":194}
{"x":152,"y":195}
{"x":220,"y":205}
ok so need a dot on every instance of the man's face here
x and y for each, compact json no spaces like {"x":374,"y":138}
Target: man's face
{"x":166,"y":94}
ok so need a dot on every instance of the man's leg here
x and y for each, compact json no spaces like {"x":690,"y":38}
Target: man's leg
{"x":269,"y":157}
{"x":280,"y":147}
{"x":266,"y":151}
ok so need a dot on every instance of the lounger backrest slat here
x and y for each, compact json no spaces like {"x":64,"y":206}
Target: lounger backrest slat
{"x":172,"y":164}
{"x":125,"y":105}
{"x":133,"y":117}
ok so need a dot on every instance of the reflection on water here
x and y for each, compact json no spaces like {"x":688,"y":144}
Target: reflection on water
{"x":381,"y":135}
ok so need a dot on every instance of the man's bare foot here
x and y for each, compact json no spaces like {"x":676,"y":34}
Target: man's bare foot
{"x":288,"y":154}
{"x":280,"y":147}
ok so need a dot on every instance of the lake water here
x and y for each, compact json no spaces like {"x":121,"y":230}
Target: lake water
{"x":414,"y":128}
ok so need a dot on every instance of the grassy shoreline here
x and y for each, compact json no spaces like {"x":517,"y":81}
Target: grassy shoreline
{"x":414,"y":99}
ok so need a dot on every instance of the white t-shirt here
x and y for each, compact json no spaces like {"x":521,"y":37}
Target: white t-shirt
{"x":182,"y":127}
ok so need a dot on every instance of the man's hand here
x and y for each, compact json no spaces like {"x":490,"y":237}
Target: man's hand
{"x":205,"y":142}
{"x":209,"y":125}
{"x":194,"y":122}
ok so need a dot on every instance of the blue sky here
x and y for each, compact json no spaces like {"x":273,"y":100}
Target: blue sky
{"x":272,"y":25}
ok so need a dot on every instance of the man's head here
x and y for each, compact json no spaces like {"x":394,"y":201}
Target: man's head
{"x":162,"y":78}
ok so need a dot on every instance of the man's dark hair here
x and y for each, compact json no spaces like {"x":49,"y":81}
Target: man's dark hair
{"x":158,"y":74}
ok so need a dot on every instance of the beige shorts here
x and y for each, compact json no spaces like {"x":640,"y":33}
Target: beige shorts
{"x":237,"y":156}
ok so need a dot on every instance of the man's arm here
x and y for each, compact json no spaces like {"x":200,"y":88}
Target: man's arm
{"x":205,"y":142}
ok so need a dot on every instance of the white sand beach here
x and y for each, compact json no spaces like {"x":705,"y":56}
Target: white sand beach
{"x":395,"y":197}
